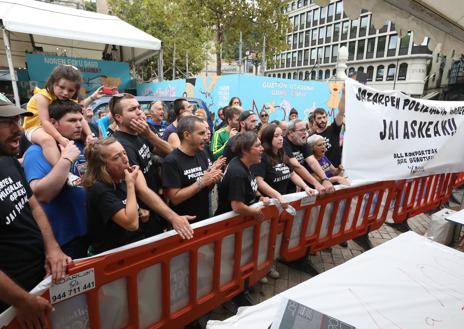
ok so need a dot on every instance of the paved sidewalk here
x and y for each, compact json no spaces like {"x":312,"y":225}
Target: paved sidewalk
{"x":323,"y":261}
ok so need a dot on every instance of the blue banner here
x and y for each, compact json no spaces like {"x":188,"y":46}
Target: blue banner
{"x":276,"y":96}
{"x":95,"y":73}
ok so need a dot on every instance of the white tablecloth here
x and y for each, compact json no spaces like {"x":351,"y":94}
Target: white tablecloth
{"x":408,"y":282}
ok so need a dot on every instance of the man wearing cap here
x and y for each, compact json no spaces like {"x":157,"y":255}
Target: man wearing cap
{"x":221,"y":136}
{"x":27,"y":244}
{"x":247,"y":122}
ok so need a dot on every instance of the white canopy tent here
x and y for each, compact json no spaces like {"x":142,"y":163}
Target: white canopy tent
{"x":440,"y":20}
{"x":29,"y":26}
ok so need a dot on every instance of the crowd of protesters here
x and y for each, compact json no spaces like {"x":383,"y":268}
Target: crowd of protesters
{"x":92,"y":185}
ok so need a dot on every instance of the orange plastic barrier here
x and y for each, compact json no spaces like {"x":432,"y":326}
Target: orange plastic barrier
{"x":335,"y":218}
{"x":421,"y":194}
{"x":459,"y":180}
{"x":171,"y":282}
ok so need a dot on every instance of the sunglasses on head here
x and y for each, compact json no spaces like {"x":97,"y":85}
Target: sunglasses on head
{"x":116,"y":98}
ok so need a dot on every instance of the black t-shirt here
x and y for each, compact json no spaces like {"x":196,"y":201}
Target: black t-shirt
{"x":332,"y":142}
{"x":103,"y":201}
{"x":181,"y":170}
{"x":238,"y":184}
{"x":21,"y":244}
{"x":138,"y":152}
{"x":277,"y":176}
{"x":299,"y":152}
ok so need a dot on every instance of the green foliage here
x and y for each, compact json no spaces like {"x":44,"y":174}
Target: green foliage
{"x":172,"y":23}
{"x":196,"y":25}
{"x":90,"y":5}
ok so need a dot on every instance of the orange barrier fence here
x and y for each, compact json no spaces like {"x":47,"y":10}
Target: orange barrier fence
{"x":335,"y":218}
{"x":422,"y":194}
{"x":459,"y":180}
{"x":169,"y":282}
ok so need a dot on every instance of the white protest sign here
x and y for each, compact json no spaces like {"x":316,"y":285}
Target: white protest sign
{"x":392,"y":136}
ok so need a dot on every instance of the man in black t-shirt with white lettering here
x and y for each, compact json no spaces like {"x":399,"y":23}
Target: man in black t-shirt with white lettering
{"x":28,"y":247}
{"x":187,"y":172}
{"x":139,"y":141}
{"x":301,"y":158}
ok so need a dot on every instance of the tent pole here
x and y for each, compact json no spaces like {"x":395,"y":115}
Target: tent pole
{"x":6,"y":40}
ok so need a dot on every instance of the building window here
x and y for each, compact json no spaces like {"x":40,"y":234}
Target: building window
{"x":402,"y":72}
{"x":370,"y":73}
{"x":370,"y":48}
{"x":338,"y":10}
{"x":314,"y":37}
{"x":322,"y":33}
{"x":381,"y":47}
{"x":300,"y":58}
{"x":351,"y":50}
{"x":294,"y":59}
{"x":354,"y":28}
{"x":309,"y":16}
{"x":278,"y":75}
{"x":320,"y":75}
{"x":345,"y":27}
{"x":334,"y":53}
{"x":363,"y":25}
{"x":334,"y":72}
{"x":327,"y":74}
{"x":300,"y":76}
{"x":300,"y":40}
{"x":306,"y":57}
{"x":302,"y":20}
{"x":328,"y":32}
{"x":379,"y":75}
{"x":295,"y":41}
{"x":360,"y":51}
{"x":313,"y":56}
{"x":306,"y":75}
{"x":297,"y":22}
{"x":320,"y":54}
{"x":306,"y":39}
{"x":404,"y":44}
{"x":392,"y":45}
{"x":330,"y":12}
{"x":336,"y":32}
{"x":361,"y":69}
{"x":323,"y":14}
{"x":294,"y":76}
{"x":313,"y":75}
{"x":316,"y":16}
{"x":391,"y":71}
{"x":351,"y":71}
{"x":327,"y":54}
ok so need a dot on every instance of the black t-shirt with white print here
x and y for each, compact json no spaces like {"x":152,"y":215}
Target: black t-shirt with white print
{"x":238,"y":184}
{"x":276,"y":176}
{"x":181,"y":170}
{"x":299,"y":152}
{"x":21,"y":243}
{"x":103,"y":202}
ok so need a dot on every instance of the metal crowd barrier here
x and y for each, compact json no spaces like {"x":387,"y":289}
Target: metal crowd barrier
{"x":167,"y":282}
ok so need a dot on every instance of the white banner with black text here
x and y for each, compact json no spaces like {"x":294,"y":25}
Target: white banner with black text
{"x":390,"y":135}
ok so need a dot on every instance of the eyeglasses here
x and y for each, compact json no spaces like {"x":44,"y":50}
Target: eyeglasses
{"x":264,"y":115}
{"x":116,"y":98}
{"x":301,"y":130}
